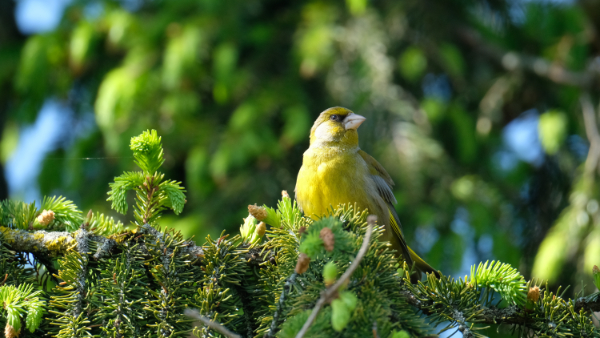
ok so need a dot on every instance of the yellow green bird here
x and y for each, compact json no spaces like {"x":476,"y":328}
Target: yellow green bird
{"x":336,"y":171}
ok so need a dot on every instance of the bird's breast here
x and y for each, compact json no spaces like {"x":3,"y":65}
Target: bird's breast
{"x":328,"y":179}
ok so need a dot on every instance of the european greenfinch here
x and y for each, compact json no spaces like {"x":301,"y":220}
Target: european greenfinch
{"x":336,"y":171}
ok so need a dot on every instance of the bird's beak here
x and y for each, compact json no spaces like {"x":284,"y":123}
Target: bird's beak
{"x":353,"y":121}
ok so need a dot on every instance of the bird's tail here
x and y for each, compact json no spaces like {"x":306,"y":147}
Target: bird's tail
{"x":420,"y":265}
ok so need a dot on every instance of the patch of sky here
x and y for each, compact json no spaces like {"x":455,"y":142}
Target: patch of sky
{"x":521,"y":137}
{"x":437,"y":86}
{"x":578,"y":146}
{"x":426,"y":236}
{"x":24,"y":165}
{"x":517,"y":8}
{"x":132,"y":5}
{"x":505,"y":159}
{"x":93,"y":10}
{"x":460,"y":225}
{"x":39,"y":16}
{"x":485,"y":245}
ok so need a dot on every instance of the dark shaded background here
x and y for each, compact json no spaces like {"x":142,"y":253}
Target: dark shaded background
{"x":482,"y":112}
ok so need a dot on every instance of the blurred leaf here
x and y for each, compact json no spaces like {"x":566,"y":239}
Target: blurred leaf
{"x":297,"y":124}
{"x":316,"y":39}
{"x":180,"y":102}
{"x":550,"y":257}
{"x":244,"y":117}
{"x":182,"y":54}
{"x":196,"y":166}
{"x":552,"y":129}
{"x":412,"y":63}
{"x":356,"y":7}
{"x":225,"y":58}
{"x":114,"y":97}
{"x":80,"y":45}
{"x":34,"y":66}
{"x":463,"y":188}
{"x":9,"y":141}
{"x":453,"y":60}
{"x":118,"y":21}
{"x":591,"y":255}
{"x":434,"y":108}
{"x":464,"y":133}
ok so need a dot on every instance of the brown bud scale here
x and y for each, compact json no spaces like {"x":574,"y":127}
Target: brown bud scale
{"x":303,"y":262}
{"x":533,"y":294}
{"x":328,"y":238}
{"x":259,"y":213}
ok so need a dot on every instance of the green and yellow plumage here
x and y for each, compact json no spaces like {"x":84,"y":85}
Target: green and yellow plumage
{"x":335,"y":171}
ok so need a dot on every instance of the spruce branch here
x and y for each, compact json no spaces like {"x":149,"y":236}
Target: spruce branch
{"x":118,"y":189}
{"x":501,"y":277}
{"x":39,"y":242}
{"x":332,"y":291}
{"x":286,"y":287}
{"x":147,"y":151}
{"x":65,"y":212}
{"x":153,"y":195}
{"x":463,"y":305}
{"x":212,"y":324}
{"x":22,"y":302}
{"x":18,"y":214}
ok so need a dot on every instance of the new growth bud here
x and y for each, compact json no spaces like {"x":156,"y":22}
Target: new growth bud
{"x":252,"y":231}
{"x":533,"y":294}
{"x":328,"y":238}
{"x":46,"y":217}
{"x":260,"y":229}
{"x":329,"y":273}
{"x":303,"y":262}
{"x":284,"y":194}
{"x":258,"y":212}
{"x":10,"y":332}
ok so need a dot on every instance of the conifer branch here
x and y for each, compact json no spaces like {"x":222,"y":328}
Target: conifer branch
{"x":510,"y":315}
{"x":43,"y":242}
{"x":588,"y":304}
{"x":212,"y":324}
{"x":286,"y":287}
{"x":331,"y":292}
{"x":56,"y":243}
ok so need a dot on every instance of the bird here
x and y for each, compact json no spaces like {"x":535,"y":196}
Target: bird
{"x":336,"y":171}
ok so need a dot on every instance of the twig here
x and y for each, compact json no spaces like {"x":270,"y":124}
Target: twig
{"x":330,"y":292}
{"x":591,"y":130}
{"x":286,"y":286}
{"x":512,"y":61}
{"x":210,"y":323}
{"x":375,"y":334}
{"x":588,"y":304}
{"x":56,"y":243}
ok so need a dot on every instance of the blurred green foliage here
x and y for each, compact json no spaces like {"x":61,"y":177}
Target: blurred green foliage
{"x":233,"y":87}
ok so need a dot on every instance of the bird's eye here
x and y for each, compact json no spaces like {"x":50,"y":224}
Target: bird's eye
{"x":334,"y":118}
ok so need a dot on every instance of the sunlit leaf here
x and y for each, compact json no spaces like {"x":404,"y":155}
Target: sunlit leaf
{"x":552,"y":129}
{"x":412,"y":63}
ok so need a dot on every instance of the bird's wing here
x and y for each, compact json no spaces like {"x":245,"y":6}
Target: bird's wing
{"x":384,"y":184}
{"x":382,"y":179}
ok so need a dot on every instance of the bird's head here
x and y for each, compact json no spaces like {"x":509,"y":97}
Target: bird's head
{"x":336,"y":127}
